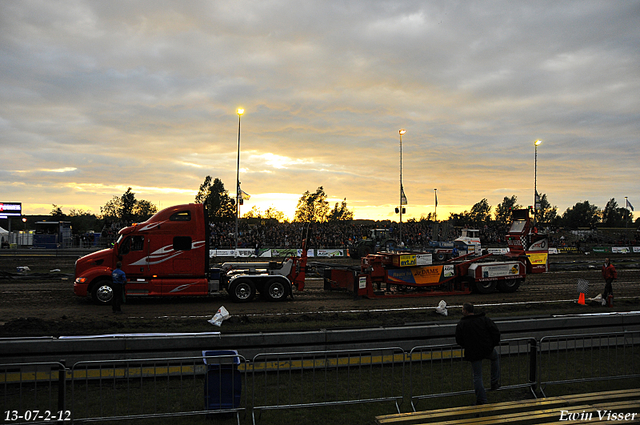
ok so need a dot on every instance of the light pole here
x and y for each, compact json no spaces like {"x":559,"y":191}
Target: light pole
{"x":240,"y":111}
{"x":24,"y":238}
{"x":403,"y":198}
{"x":435,"y":209}
{"x":535,"y":182}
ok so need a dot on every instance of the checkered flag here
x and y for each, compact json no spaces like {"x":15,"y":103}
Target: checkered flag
{"x":583,"y":286}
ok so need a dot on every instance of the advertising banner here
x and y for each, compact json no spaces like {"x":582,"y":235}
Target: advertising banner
{"x":362,"y":282}
{"x":404,"y":260}
{"x":426,"y":275}
{"x":620,"y":249}
{"x":272,"y":253}
{"x":285,"y":252}
{"x":241,"y":252}
{"x":330,"y":253}
{"x":424,"y":259}
{"x":500,"y":270}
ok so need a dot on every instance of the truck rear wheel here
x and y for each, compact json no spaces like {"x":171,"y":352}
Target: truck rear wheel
{"x":102,"y":293}
{"x":276,"y":290}
{"x":486,"y":287}
{"x":242,"y":290}
{"x":509,"y":285}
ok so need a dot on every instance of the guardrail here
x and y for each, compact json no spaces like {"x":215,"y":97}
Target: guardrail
{"x":583,"y":358}
{"x":226,"y":382}
{"x":322,"y":378}
{"x":440,"y":370}
{"x":34,"y":392}
{"x":134,"y":389}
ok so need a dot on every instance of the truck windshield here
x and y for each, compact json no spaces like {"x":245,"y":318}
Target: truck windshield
{"x":517,"y":226}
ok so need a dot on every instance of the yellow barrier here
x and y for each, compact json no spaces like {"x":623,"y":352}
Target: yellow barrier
{"x":151,"y":371}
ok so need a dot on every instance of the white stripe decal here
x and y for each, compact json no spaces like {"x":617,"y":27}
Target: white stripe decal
{"x":163,"y":254}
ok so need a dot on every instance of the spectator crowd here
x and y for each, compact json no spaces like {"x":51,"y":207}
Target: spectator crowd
{"x":259,"y":233}
{"x":336,"y":234}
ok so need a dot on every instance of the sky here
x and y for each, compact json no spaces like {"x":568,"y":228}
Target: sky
{"x":100,"y":96}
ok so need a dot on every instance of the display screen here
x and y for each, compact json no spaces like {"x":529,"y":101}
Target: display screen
{"x":10,"y":209}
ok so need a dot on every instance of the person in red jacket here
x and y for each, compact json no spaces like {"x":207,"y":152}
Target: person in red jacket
{"x":609,"y":274}
{"x":479,"y":336}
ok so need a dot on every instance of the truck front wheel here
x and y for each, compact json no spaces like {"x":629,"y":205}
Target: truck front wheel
{"x":242,"y":290}
{"x":102,"y":293}
{"x":276,"y":290}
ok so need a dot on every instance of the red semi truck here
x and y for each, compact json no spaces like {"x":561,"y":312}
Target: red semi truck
{"x":168,"y":255}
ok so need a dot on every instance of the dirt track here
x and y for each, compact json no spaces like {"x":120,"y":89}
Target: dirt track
{"x":44,"y":304}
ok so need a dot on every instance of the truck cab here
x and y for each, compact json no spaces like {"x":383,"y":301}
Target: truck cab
{"x":165,"y":255}
{"x":468,"y":242}
{"x":525,"y":241}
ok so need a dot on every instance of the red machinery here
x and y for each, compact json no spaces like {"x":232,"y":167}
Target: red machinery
{"x":527,"y":244}
{"x":389,"y":274}
{"x":386,"y":275}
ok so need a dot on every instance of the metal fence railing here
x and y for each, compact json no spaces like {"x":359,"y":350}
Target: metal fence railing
{"x":226,"y":382}
{"x":440,"y":370}
{"x":151,"y":388}
{"x":583,"y":358}
{"x":321,"y":378}
{"x":34,"y":392}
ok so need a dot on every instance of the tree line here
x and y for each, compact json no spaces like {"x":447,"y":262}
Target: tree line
{"x":582,"y":214}
{"x":312,"y":207}
{"x":121,"y":211}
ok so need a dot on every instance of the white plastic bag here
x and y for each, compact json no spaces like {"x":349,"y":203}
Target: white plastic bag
{"x":442,"y":308}
{"x":221,"y":315}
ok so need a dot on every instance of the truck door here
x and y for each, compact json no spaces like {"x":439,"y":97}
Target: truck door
{"x":134,"y":257}
{"x":134,"y":251}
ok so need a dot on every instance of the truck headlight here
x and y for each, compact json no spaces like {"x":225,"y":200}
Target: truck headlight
{"x":80,"y":280}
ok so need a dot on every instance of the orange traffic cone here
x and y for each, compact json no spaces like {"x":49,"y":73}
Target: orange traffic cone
{"x":581,"y":298}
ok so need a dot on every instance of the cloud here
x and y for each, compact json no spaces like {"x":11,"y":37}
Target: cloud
{"x":118,"y":94}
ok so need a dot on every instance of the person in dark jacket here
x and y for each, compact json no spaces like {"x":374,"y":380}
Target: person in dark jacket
{"x":119,"y":280}
{"x":479,"y":336}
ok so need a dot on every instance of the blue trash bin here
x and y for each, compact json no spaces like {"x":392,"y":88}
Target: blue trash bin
{"x":223,"y":385}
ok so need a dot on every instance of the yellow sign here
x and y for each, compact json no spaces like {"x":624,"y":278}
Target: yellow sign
{"x":538,"y":259}
{"x":405,"y":260}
